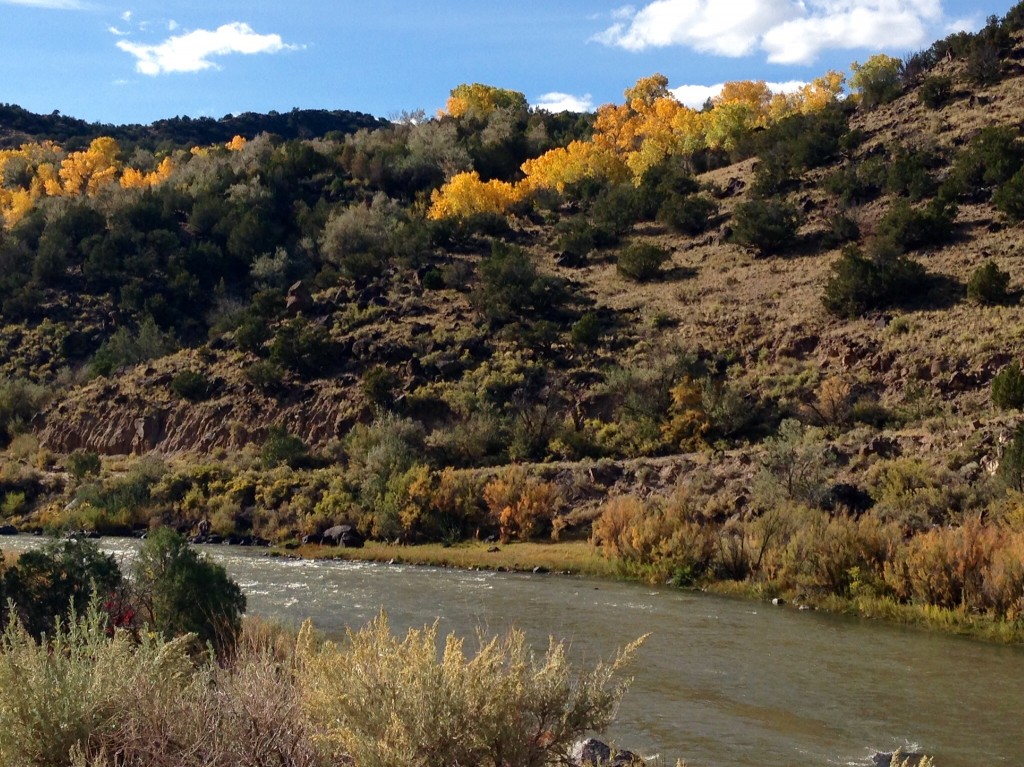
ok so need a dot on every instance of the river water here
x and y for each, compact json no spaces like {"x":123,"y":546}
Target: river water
{"x":719,"y":682}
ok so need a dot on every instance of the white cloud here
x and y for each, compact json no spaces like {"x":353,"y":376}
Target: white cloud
{"x":192,"y":52}
{"x":172,"y":25}
{"x":126,"y":16}
{"x":788,"y":31}
{"x":563,"y":102}
{"x":61,"y":5}
{"x":116,"y":31}
{"x":695,"y":96}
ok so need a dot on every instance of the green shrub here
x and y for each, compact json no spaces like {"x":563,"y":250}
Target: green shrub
{"x":510,"y":287}
{"x":125,"y":348}
{"x":688,"y":215}
{"x":20,"y":402}
{"x":83,"y":463}
{"x":1011,"y":462}
{"x":988,"y":285}
{"x":303,"y":347}
{"x":904,"y":228}
{"x":766,"y":226}
{"x":641,"y":262}
{"x":935,"y":91}
{"x":48,"y":584}
{"x":842,"y":229}
{"x":1009,"y":198}
{"x":181,"y":592}
{"x":282,"y":448}
{"x":859,"y":284}
{"x":120,"y":504}
{"x":586,"y":331}
{"x":191,"y":385}
{"x":1008,"y":388}
{"x":910,"y":173}
{"x":379,"y":384}
{"x":266,"y":376}
{"x":991,"y":158}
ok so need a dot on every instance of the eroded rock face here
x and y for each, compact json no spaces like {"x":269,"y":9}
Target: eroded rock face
{"x":123,"y":423}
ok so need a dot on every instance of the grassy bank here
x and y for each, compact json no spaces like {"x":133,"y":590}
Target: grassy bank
{"x":573,"y":557}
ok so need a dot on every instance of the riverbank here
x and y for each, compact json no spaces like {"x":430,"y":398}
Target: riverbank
{"x":581,"y":558}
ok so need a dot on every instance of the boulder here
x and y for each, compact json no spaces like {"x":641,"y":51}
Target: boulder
{"x":8,"y":530}
{"x":299,"y":300}
{"x":900,"y":758}
{"x":594,"y":753}
{"x":342,"y":535}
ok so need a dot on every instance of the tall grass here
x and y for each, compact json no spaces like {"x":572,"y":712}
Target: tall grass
{"x":88,"y":697}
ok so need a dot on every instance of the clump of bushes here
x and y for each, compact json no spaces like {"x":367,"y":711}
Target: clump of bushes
{"x":904,"y":228}
{"x":83,"y":463}
{"x":690,"y":215}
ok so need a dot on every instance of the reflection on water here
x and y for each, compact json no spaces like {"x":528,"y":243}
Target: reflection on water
{"x":719,"y":682}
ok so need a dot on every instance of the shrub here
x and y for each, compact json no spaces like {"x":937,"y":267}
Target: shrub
{"x":915,"y":493}
{"x":303,"y":347}
{"x":48,"y":584}
{"x":1009,"y":198}
{"x":82,"y":463}
{"x":904,"y":228}
{"x":282,"y":448}
{"x":796,"y":465}
{"x":266,"y":376}
{"x":766,"y":226}
{"x":126,"y":348}
{"x":523,"y":506}
{"x":1008,"y":388}
{"x":842,"y":229}
{"x":191,"y":385}
{"x":664,"y":540}
{"x":688,"y":215}
{"x":178,"y":592}
{"x":910,"y":173}
{"x":1011,"y":463}
{"x":382,"y":701}
{"x":510,"y":287}
{"x":991,"y":158}
{"x":641,"y":262}
{"x":859,"y":284}
{"x":20,"y":402}
{"x":586,"y":331}
{"x":935,"y":91}
{"x":379,"y":384}
{"x":988,"y":285}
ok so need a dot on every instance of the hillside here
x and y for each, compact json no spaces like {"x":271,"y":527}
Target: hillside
{"x":803,"y":334}
{"x":19,"y":126}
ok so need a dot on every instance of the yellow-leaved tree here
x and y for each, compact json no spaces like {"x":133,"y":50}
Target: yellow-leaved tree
{"x":466,"y":195}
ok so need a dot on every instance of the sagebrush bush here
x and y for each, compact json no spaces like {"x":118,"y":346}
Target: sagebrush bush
{"x":20,"y":402}
{"x":382,"y":701}
{"x":1009,"y":198}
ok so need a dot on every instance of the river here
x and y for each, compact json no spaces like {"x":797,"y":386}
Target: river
{"x":719,"y":683}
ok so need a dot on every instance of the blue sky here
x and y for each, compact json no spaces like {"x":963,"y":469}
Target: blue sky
{"x":110,"y":61}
